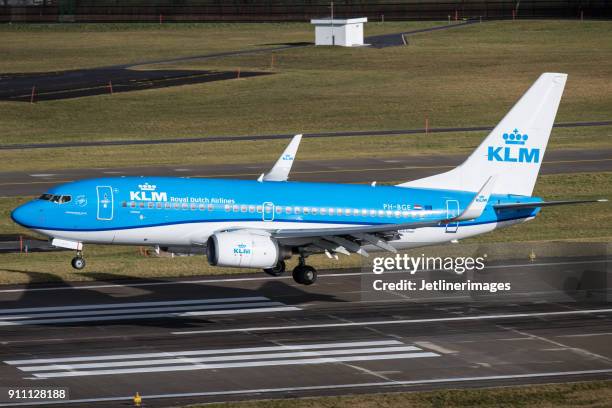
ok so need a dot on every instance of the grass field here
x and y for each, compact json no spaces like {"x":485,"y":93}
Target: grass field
{"x":574,"y":223}
{"x":593,"y":394}
{"x":464,"y":76}
{"x":267,"y":151}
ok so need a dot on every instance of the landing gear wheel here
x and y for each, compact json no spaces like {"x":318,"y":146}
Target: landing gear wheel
{"x":304,"y":274}
{"x":277,"y":270}
{"x":78,"y":262}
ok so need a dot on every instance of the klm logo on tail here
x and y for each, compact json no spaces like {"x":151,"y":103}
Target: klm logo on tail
{"x":513,"y":150}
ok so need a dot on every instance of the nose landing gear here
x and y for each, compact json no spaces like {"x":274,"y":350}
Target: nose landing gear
{"x":78,"y":262}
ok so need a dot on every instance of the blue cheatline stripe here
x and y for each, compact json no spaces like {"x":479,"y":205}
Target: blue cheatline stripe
{"x":461,"y":224}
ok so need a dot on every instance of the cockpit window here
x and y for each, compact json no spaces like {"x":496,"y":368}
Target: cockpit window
{"x":58,"y":199}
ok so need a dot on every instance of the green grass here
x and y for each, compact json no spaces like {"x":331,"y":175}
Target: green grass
{"x":267,"y":151}
{"x":465,"y":76}
{"x":591,"y":394}
{"x":117,"y":262}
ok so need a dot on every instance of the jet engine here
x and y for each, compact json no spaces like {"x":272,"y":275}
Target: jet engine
{"x":243,"y":249}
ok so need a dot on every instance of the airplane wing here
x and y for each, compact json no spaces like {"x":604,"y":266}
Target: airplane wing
{"x":280,"y":171}
{"x":516,"y":206}
{"x":351,"y":239}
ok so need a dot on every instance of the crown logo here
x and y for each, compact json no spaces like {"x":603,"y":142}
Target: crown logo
{"x":515,"y":138}
{"x":147,"y":187}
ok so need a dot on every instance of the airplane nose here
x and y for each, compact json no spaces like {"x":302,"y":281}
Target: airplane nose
{"x":21,"y":215}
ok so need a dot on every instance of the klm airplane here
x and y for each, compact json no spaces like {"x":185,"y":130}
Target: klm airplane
{"x":261,"y":223}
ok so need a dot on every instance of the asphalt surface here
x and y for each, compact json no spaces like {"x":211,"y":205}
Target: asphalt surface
{"x":399,"y":39}
{"x":367,"y":133}
{"x":257,"y":337}
{"x":363,"y":170}
{"x":88,"y":82}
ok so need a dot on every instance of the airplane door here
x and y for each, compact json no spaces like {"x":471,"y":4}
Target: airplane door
{"x":452,"y":210}
{"x":105,"y":203}
{"x":268,"y":212}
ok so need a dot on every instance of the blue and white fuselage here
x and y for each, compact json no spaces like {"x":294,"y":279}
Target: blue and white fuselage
{"x":184,"y":212}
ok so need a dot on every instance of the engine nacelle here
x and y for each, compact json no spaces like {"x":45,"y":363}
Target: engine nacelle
{"x":242,"y":250}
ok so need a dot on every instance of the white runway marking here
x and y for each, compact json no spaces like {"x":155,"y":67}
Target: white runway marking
{"x":449,"y":380}
{"x":302,"y":354}
{"x":316,"y":346}
{"x":399,"y":321}
{"x":270,"y":278}
{"x":140,"y":310}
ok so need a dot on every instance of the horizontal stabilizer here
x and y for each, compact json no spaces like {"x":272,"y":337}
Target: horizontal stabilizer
{"x":478,"y":203}
{"x":517,"y":206}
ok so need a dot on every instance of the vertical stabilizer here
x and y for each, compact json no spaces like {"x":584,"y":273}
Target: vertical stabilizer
{"x":514,"y":150}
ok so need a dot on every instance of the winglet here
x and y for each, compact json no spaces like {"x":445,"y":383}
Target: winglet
{"x":478,"y":203}
{"x":280,"y":171}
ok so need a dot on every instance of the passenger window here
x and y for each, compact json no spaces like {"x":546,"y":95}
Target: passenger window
{"x":235,"y":208}
{"x":355,"y":212}
{"x":151,"y":205}
{"x":185,"y":206}
{"x":306,"y":210}
{"x":347,"y":212}
{"x":372,"y":213}
{"x":397,"y":213}
{"x":167,"y":206}
{"x":339,"y":212}
{"x":124,"y":204}
{"x":298,"y":210}
{"x":202,"y":207}
{"x":389,"y":213}
{"x":243,"y":208}
{"x":381,"y":213}
{"x":279,"y":209}
{"x":227,"y":208}
{"x":259,"y":209}
{"x":331,"y":211}
{"x":251,"y":208}
{"x":159,"y":205}
{"x":323,"y":211}
{"x":141,"y":205}
{"x":193,"y":207}
{"x":211,"y":207}
{"x":287,"y":210}
{"x":176,"y":206}
{"x":314,"y":210}
{"x":405,"y":213}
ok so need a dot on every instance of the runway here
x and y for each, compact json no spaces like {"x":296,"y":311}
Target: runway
{"x":221,"y":338}
{"x":361,"y":170}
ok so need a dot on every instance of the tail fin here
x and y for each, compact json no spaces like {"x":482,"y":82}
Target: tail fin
{"x":514,"y":150}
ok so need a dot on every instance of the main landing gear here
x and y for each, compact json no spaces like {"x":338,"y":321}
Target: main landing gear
{"x":304,"y":274}
{"x":277,"y":270}
{"x":78,"y":262}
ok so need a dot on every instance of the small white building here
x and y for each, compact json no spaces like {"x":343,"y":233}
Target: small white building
{"x":346,"y":32}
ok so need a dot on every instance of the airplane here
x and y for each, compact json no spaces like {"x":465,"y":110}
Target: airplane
{"x":262,"y":223}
